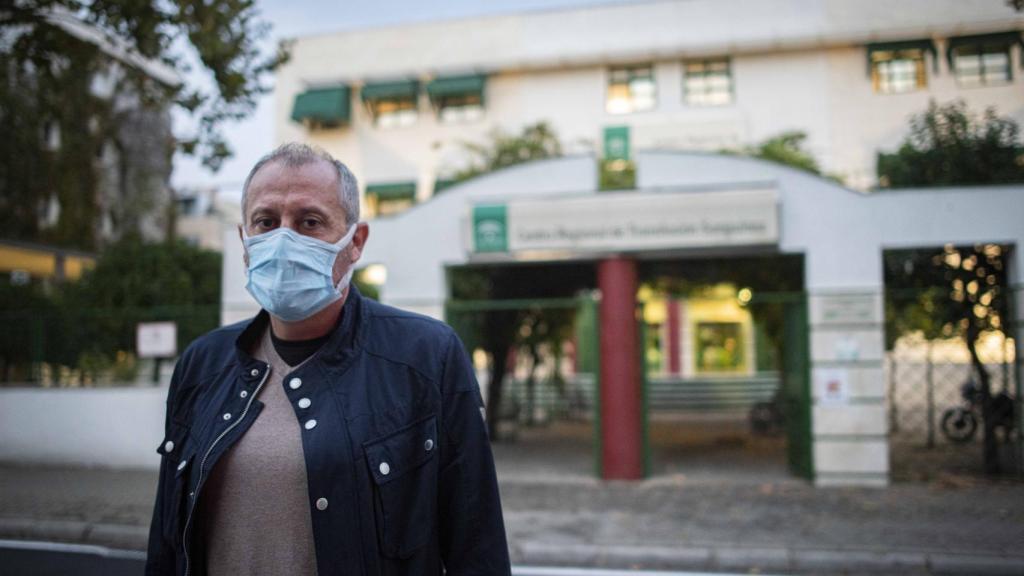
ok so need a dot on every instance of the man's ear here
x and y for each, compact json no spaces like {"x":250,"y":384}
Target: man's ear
{"x":359,"y":241}
{"x":245,"y":253}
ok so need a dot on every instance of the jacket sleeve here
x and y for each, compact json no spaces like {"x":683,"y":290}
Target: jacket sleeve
{"x":472,"y":530}
{"x":160,"y":553}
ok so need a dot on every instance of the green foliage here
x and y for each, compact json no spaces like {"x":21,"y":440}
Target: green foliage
{"x":617,"y":175}
{"x":945,"y":292}
{"x":786,"y":148}
{"x":58,"y":116}
{"x":501,"y":150}
{"x":948,"y":145}
{"x":88,"y":327}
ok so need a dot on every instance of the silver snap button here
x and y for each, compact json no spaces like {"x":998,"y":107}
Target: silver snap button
{"x":428,"y":445}
{"x":321,"y":503}
{"x":294,"y":383}
{"x":310,"y":424}
{"x":243,"y":393}
{"x":182,"y":464}
{"x":254,"y":372}
{"x":227,"y":416}
{"x":168,"y":446}
{"x":191,"y":494}
{"x":304,"y":402}
{"x":385,"y":468}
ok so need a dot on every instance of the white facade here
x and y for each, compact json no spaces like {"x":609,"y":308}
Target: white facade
{"x":795,"y":65}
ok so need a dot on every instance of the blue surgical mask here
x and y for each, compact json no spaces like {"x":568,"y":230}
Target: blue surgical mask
{"x":291,"y":275}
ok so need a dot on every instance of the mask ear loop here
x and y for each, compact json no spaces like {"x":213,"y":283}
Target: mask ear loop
{"x":342,"y":244}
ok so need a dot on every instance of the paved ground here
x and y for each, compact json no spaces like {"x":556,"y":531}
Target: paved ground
{"x":728,"y":509}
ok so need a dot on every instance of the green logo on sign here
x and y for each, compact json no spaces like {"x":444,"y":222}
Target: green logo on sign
{"x":490,"y":229}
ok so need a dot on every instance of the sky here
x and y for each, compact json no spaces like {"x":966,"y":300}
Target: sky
{"x":254,"y":136}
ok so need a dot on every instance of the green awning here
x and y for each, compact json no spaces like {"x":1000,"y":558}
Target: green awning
{"x":925,"y":45}
{"x":442,"y":184}
{"x":326,"y":105}
{"x":457,"y":86}
{"x":392,"y":190}
{"x":997,"y":40}
{"x":390,"y":90}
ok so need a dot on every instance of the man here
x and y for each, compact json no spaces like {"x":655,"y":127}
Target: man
{"x":330,"y":434}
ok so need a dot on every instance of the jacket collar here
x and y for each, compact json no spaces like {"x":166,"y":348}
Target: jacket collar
{"x":342,"y":343}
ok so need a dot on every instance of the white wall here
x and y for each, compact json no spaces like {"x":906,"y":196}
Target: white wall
{"x":101,"y":427}
{"x":797,"y":65}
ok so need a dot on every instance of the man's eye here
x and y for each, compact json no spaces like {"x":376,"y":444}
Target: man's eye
{"x":264,"y":223}
{"x":310,"y":223}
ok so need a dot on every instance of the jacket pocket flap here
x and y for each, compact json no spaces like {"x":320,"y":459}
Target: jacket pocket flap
{"x":405,"y":449}
{"x":174,"y":440}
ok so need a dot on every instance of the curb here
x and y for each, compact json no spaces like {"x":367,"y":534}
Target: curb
{"x":766,"y":559}
{"x":121,"y":536}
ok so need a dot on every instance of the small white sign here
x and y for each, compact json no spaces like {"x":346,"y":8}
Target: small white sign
{"x":156,"y":340}
{"x":833,"y":386}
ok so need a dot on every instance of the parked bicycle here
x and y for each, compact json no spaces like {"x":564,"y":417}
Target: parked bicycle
{"x":960,"y":423}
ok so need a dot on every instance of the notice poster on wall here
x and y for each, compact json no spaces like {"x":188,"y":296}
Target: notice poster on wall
{"x":833,"y":386}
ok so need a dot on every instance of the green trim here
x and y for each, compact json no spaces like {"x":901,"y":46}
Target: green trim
{"x":392,"y":190}
{"x":397,"y":90}
{"x":442,"y":184}
{"x":457,"y":86}
{"x":997,"y":40}
{"x":330,"y":106}
{"x":925,"y":45}
{"x":645,"y":443}
{"x":513,"y":304}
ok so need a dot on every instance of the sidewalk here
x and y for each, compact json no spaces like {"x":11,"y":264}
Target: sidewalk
{"x":670,"y":522}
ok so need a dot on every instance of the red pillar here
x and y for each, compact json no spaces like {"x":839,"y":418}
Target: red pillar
{"x":621,"y":433}
{"x":673,"y":336}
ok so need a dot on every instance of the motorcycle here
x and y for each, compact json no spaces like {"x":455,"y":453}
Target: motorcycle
{"x":960,"y":423}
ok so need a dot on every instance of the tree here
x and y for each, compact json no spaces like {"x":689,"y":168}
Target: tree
{"x":952,"y":291}
{"x":786,"y":148}
{"x":949,"y":146}
{"x":66,"y":101}
{"x":131,"y":283}
{"x":501,"y":150}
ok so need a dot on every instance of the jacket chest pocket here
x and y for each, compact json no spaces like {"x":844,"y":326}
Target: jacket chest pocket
{"x":403,"y":465}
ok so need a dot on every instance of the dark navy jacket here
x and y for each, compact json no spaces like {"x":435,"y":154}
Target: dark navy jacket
{"x":399,"y":450}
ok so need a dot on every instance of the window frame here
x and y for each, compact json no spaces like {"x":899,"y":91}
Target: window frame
{"x":705,"y":75}
{"x":631,"y":76}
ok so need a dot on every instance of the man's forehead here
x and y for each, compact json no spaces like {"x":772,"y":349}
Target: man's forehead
{"x":278,"y":181}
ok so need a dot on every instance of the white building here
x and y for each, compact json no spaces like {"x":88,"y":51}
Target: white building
{"x":397,"y":103}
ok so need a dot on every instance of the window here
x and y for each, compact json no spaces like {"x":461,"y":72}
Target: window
{"x":458,"y":98}
{"x":391,"y":198}
{"x":630,"y":89}
{"x":394,"y":112}
{"x":982,"y":60}
{"x":719,"y":347}
{"x":707,"y":83}
{"x":392,"y":104}
{"x":898,"y":67}
{"x":323,"y":107}
{"x":897,"y":71}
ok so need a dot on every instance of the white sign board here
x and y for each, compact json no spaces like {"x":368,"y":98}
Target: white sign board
{"x":833,"y":386}
{"x":156,"y":340}
{"x":628,"y":221}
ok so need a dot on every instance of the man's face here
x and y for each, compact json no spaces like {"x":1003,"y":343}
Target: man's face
{"x":305,"y":199}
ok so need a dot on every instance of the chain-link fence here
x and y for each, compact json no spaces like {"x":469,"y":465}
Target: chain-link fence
{"x":934,"y":403}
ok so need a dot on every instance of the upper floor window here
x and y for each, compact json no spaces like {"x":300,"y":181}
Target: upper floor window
{"x":458,"y":98}
{"x":392,"y":104}
{"x":899,"y":67}
{"x":982,"y":60}
{"x":630,"y":89}
{"x":707,"y":82}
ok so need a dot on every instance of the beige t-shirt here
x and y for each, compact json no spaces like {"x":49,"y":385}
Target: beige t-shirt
{"x":255,"y":509}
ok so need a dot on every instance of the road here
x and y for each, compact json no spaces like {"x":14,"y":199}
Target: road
{"x":53,"y":559}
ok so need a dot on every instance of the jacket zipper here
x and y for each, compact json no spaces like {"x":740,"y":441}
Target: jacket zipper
{"x":202,"y":464}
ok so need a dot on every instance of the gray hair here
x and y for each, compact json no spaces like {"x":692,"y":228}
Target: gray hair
{"x":295,"y":154}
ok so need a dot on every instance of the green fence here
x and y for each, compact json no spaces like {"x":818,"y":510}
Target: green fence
{"x":92,"y":347}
